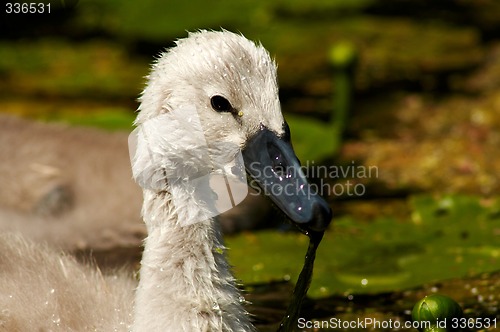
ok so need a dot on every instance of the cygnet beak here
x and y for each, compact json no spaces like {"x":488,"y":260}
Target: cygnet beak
{"x":272,"y":163}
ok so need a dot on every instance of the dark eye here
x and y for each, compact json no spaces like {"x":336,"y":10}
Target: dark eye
{"x":221,"y":104}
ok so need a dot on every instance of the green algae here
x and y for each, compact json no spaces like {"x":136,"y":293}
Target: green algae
{"x":384,"y":254}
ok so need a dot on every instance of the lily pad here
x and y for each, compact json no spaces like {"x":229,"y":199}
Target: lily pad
{"x":384,"y":254}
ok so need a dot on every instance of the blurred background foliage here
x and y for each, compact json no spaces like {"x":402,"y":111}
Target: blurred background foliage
{"x":425,"y":110}
{"x":100,"y":50}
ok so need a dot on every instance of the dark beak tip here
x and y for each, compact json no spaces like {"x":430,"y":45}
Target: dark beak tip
{"x":322,"y":216}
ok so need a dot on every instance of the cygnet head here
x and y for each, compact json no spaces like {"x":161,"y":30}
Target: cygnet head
{"x":231,"y":82}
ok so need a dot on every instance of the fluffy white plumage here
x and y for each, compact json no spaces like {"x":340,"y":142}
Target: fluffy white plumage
{"x":185,"y":281}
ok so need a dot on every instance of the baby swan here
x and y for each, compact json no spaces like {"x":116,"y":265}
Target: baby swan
{"x":208,"y":101}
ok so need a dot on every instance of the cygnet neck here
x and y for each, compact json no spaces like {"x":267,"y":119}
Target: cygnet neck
{"x":185,"y":280}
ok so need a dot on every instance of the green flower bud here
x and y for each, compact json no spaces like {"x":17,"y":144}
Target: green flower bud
{"x":343,"y":55}
{"x":434,"y":308}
